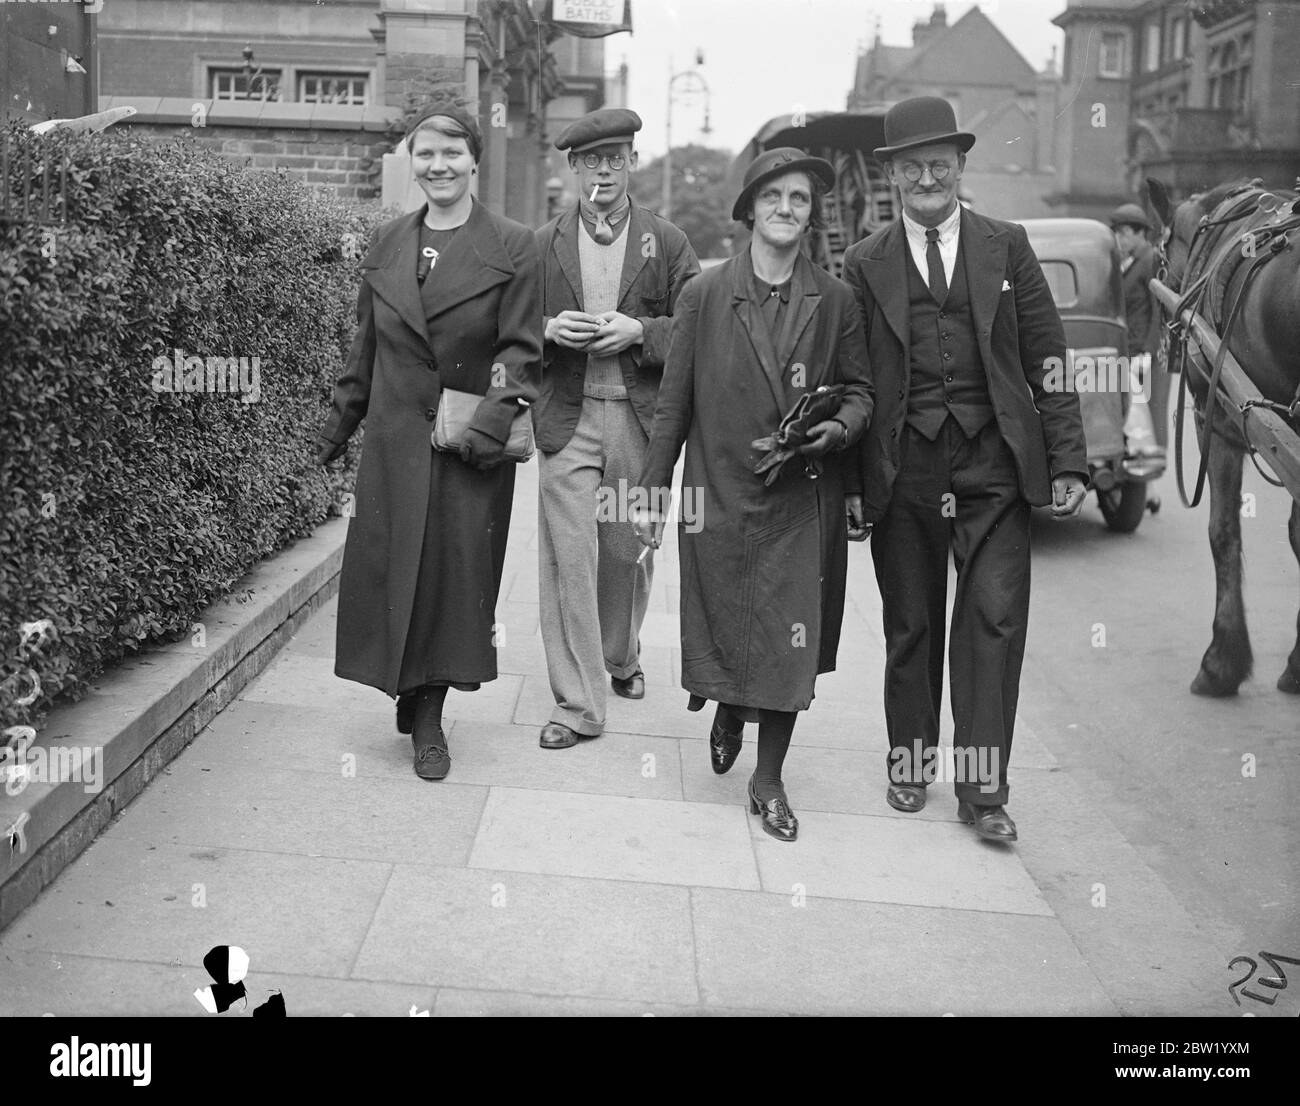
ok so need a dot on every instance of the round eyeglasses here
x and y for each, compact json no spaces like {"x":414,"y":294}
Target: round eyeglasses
{"x":592,"y":161}
{"x":913,"y":170}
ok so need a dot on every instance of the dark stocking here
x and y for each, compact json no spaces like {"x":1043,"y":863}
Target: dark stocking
{"x":775,"y":728}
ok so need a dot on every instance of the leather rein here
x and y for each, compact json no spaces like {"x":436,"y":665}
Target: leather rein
{"x":1260,"y":244}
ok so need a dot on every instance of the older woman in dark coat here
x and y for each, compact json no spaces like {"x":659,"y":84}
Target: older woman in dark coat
{"x":450,"y":299}
{"x":762,"y":567}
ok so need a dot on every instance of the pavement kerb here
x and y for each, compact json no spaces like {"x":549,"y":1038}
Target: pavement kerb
{"x":143,"y":712}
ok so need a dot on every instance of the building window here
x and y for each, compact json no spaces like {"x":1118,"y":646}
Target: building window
{"x":334,"y":88}
{"x":1229,"y":69}
{"x":1111,"y":61}
{"x":233,"y":84}
{"x":1178,"y":39}
{"x":1152,"y":62}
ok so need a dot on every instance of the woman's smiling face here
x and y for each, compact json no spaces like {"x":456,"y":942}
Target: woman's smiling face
{"x":442,"y":166}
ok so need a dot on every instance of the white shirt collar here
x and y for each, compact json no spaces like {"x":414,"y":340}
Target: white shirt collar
{"x":947,"y":229}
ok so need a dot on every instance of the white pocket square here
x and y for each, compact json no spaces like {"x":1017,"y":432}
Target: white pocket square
{"x":1006,"y":286}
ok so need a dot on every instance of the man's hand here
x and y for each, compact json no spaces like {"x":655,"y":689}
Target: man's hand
{"x":481,"y":450}
{"x":824,"y":437}
{"x":573,"y":329}
{"x":616,"y":333}
{"x":327,"y":451}
{"x":859,"y":527}
{"x":648,"y":524}
{"x":1068,"y":494}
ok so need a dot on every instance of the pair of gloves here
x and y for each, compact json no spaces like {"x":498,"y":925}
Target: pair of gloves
{"x":480,"y":450}
{"x":808,"y":429}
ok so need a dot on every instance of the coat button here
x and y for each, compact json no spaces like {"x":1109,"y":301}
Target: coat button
{"x":948,"y":379}
{"x":431,"y":413}
{"x":893,"y":433}
{"x":900,"y":393}
{"x":947,"y":356}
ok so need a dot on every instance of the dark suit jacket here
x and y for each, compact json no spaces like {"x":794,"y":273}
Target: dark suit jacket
{"x":1017,"y":328}
{"x":657,"y":262}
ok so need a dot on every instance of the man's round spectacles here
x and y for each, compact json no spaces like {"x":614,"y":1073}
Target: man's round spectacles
{"x":939,"y":170}
{"x":592,"y":161}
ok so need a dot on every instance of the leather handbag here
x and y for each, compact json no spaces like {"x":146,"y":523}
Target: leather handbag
{"x":456,"y":411}
{"x":810,"y":409}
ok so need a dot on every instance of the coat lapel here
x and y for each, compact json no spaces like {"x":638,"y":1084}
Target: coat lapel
{"x":475,"y":261}
{"x":751,"y":319}
{"x":390,"y":267}
{"x":564,"y":244}
{"x":984,"y":253}
{"x":634,"y":257}
{"x":885,"y":272}
{"x":805,"y":300}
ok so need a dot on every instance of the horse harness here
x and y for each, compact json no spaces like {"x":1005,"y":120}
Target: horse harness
{"x":1269,"y":224}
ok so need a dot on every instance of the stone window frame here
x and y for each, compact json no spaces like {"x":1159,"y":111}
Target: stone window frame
{"x":1120,"y":67}
{"x":287,"y":74}
{"x":213,"y":73}
{"x":367,"y":92}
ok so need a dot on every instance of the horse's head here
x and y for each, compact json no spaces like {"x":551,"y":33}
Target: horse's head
{"x":1177,"y":226}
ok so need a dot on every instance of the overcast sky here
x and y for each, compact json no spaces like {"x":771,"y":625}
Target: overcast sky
{"x":764,"y":57}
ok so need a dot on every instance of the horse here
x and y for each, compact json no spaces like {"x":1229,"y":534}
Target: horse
{"x":1231,"y":254}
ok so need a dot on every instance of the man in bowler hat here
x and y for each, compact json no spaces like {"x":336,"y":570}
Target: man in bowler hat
{"x":961,"y":330}
{"x":611,"y":274}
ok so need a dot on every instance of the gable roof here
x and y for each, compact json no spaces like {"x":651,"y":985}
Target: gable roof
{"x":970,"y":51}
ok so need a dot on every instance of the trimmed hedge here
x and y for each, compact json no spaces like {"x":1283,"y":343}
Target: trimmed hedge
{"x":126,"y":508}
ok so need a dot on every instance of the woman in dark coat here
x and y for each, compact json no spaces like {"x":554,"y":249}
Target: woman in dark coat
{"x":762,"y":567}
{"x":450,"y":299}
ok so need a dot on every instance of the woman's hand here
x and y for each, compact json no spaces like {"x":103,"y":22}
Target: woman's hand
{"x":825,"y":437}
{"x":327,"y":451}
{"x":859,"y":527}
{"x":648,"y":524}
{"x":481,"y":450}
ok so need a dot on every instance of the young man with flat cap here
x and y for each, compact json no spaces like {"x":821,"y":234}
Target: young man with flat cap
{"x":611,"y":274}
{"x":961,"y":328}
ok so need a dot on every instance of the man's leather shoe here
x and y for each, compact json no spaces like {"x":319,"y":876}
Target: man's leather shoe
{"x":432,"y":757}
{"x":992,"y":823}
{"x":777,"y":818}
{"x":631,"y":688}
{"x":907,"y":797}
{"x":557,"y":736}
{"x":406,"y":712}
{"x":724,"y":748}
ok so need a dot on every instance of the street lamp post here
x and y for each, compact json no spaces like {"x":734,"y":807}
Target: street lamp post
{"x":693,"y":83}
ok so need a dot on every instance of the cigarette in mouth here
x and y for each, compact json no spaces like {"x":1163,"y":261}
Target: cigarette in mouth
{"x":594,"y":189}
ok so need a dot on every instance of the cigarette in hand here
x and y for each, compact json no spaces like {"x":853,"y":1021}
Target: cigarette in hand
{"x":644,"y":553}
{"x":594,"y":189}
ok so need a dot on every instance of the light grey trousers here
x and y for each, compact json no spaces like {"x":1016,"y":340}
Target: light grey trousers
{"x":593,"y":593}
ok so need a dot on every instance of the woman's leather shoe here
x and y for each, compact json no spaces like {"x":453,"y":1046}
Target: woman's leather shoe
{"x":432,"y":757}
{"x":631,"y":688}
{"x":555,"y":735}
{"x":992,"y":823}
{"x":724,"y":748}
{"x":406,"y":712}
{"x":777,"y":818}
{"x":907,"y":797}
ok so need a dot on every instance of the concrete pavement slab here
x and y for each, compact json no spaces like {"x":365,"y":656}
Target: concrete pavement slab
{"x":226,"y":806}
{"x":845,"y":856}
{"x":512,"y":931}
{"x":636,"y":766}
{"x":610,"y":837}
{"x":827,"y":957}
{"x":661,"y":713}
{"x":289,"y":913}
{"x":455,"y":1003}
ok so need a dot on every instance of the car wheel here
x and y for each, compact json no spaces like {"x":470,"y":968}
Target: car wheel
{"x":1124,"y":505}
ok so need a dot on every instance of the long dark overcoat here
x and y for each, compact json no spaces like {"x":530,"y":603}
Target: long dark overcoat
{"x":762,"y":568}
{"x":478,"y":330}
{"x":1018,"y":331}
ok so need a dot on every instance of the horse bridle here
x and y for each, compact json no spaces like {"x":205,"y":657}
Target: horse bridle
{"x":1267,"y":242}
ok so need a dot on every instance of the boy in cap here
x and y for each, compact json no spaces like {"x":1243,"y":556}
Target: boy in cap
{"x":611,"y":274}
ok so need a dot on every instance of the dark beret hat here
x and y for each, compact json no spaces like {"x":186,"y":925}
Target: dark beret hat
{"x":451,"y":111}
{"x":599,"y":127}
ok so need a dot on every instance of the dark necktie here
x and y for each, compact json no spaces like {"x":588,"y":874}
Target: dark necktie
{"x":933,"y":262}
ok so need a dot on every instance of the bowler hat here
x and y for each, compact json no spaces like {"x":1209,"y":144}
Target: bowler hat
{"x":921,"y":121}
{"x":599,"y":128}
{"x":776,"y":163}
{"x":1129,"y":215}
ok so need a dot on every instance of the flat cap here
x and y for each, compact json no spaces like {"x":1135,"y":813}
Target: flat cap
{"x":599,"y":128}
{"x":1129,"y":215}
